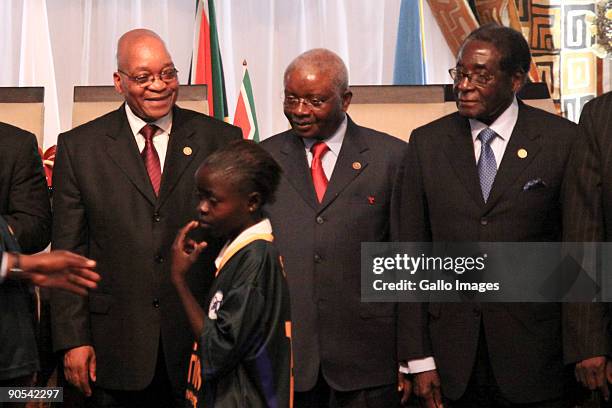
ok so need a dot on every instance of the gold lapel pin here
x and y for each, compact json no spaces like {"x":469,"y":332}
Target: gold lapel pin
{"x":187,"y":151}
{"x":356,"y":165}
{"x":522,"y":153}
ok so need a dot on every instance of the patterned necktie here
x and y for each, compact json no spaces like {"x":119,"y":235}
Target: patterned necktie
{"x":150,"y":156}
{"x":316,"y":169}
{"x":487,"y":166}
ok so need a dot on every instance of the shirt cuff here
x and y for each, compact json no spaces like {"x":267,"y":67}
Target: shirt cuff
{"x":421,"y":365}
{"x":3,"y":266}
{"x":403,"y":368}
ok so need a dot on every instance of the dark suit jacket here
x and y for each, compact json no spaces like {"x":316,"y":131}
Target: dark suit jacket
{"x":24,"y":205}
{"x":355,"y":344}
{"x":587,"y":214}
{"x":442,"y":201}
{"x":105,"y":208}
{"x":24,"y":197}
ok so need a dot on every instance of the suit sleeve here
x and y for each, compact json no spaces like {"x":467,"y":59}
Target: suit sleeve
{"x":29,"y":210}
{"x":69,"y":312}
{"x":585,"y":325}
{"x":412,"y":225}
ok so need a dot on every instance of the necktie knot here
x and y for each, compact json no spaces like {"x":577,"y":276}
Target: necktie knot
{"x":487,"y":135}
{"x":318,"y":150}
{"x":148,"y":131}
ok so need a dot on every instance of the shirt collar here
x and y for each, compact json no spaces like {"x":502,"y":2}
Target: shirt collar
{"x":503,"y":125}
{"x":136,"y":123}
{"x":262,"y":227}
{"x":334,"y":142}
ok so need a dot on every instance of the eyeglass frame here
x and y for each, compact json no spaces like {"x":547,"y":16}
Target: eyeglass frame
{"x":457,"y":76}
{"x":312,"y":102}
{"x":151,"y":77}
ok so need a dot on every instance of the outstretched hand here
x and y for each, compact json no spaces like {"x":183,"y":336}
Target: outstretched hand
{"x":60,"y":270}
{"x":185,"y":251}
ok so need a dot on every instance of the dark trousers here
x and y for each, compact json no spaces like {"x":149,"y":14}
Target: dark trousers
{"x":484,"y":392}
{"x":323,"y":396}
{"x":158,"y":394}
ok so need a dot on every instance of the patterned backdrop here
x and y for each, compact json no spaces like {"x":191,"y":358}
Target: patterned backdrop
{"x":560,"y":42}
{"x":556,"y":30}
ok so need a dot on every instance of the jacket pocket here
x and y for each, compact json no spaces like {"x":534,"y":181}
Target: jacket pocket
{"x":99,"y":303}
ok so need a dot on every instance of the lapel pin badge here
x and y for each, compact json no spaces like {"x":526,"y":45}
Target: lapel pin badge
{"x":187,"y":151}
{"x":356,"y":165}
{"x":371,"y":200}
{"x":522,"y":153}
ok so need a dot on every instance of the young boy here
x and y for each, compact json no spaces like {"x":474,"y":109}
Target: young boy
{"x":243,"y":356}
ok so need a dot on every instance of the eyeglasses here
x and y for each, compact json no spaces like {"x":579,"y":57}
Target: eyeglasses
{"x":314,"y":102}
{"x":476,"y":78}
{"x":144,"y":80}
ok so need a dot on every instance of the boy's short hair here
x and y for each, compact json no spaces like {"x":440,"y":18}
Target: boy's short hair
{"x":248,"y":167}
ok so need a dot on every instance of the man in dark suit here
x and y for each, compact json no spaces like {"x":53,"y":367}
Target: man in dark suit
{"x":490,"y":172}
{"x":337,"y":191}
{"x":123,"y":187}
{"x":587,"y":217}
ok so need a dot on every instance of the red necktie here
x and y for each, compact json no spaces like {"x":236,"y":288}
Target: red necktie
{"x":150,"y":157}
{"x":316,"y":169}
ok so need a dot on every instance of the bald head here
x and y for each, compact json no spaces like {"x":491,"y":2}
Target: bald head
{"x":135,"y":39}
{"x":323,"y":62}
{"x":146,"y":76}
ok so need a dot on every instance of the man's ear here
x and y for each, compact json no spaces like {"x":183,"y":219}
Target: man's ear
{"x":518,"y":80}
{"x":117,"y":82}
{"x":254,"y":202}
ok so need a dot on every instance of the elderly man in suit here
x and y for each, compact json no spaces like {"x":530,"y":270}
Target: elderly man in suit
{"x":470,"y":177}
{"x":123,"y":187}
{"x":338,"y":190}
{"x":587,"y":217}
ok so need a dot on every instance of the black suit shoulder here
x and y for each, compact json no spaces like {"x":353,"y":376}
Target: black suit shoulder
{"x":13,"y":135}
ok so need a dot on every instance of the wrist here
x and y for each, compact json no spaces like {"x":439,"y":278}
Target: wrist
{"x":14,"y":266}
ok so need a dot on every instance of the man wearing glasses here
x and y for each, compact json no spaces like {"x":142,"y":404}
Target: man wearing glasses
{"x":123,"y":186}
{"x":337,"y":190}
{"x":490,"y":172}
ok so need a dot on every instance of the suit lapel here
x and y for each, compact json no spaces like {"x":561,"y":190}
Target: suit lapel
{"x":294,"y":163}
{"x":523,"y":137}
{"x":181,"y":151}
{"x":459,"y":149}
{"x":352,"y":160}
{"x":123,"y":151}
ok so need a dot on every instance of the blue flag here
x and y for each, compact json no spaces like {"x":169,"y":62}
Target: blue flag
{"x":409,"y":57}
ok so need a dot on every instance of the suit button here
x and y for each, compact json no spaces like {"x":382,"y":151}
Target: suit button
{"x":156,"y":303}
{"x":477,"y":311}
{"x":156,"y":217}
{"x":484,"y":221}
{"x":320,"y":220}
{"x":317,"y":258}
{"x":159,"y":259}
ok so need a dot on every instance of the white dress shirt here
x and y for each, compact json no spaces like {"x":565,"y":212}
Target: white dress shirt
{"x":503,"y":126}
{"x":334,"y":143}
{"x":160,"y":138}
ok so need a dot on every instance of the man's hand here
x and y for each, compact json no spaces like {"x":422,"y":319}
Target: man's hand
{"x":404,"y":387}
{"x":185,"y":251}
{"x":80,"y":367}
{"x":60,"y":270}
{"x":427,"y":388}
{"x":591,"y":373}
